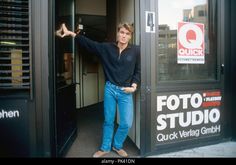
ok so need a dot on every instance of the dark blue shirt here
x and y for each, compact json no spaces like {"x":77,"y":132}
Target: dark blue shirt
{"x":121,"y":69}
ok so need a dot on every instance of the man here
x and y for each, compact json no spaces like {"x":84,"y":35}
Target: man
{"x":121,"y":65}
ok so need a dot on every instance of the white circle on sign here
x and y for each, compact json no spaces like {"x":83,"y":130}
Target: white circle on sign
{"x":187,"y":43}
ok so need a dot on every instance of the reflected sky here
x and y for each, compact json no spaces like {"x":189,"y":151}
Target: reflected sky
{"x":171,"y":11}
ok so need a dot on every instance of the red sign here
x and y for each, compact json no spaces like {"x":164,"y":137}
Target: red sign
{"x":191,"y":49}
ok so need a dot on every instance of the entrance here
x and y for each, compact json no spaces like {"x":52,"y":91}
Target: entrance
{"x":180,"y":102}
{"x":79,"y":75}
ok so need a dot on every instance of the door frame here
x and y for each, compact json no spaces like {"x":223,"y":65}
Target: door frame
{"x":147,"y":75}
{"x":62,"y":135}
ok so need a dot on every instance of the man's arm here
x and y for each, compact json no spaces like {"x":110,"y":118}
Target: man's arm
{"x":88,"y":44}
{"x":137,"y":74}
{"x":137,"y":71}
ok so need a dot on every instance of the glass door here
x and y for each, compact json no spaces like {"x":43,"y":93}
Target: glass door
{"x":65,"y":117}
{"x":182,"y":84}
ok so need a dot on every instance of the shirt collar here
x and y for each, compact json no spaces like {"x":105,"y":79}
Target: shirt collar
{"x":128,"y":46}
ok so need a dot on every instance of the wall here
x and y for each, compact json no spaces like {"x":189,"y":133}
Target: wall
{"x":90,"y":92}
{"x":91,"y":7}
{"x":125,"y":11}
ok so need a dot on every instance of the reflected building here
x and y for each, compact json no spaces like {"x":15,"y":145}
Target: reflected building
{"x":199,"y":15}
{"x":167,"y":48}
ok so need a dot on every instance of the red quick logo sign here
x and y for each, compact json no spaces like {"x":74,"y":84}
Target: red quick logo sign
{"x":190,"y":43}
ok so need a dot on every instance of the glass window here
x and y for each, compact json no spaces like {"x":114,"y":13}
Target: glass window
{"x":187,"y":40}
{"x":15,"y":65}
{"x":201,"y":13}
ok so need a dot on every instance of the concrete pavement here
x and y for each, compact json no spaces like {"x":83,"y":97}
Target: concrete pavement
{"x":221,"y":150}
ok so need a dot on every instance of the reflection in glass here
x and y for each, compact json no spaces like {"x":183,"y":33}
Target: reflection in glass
{"x":64,"y":50}
{"x":170,"y":13}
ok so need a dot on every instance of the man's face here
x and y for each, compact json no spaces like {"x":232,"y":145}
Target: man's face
{"x":123,"y":36}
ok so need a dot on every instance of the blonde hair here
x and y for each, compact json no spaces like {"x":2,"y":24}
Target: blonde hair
{"x":127,"y":26}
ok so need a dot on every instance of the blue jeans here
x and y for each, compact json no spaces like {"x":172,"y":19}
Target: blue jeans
{"x":113,"y":96}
